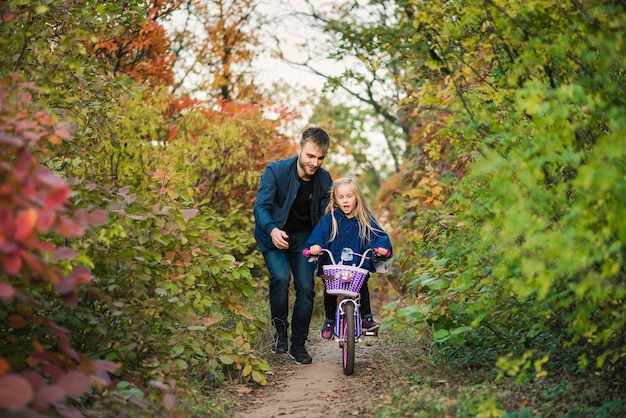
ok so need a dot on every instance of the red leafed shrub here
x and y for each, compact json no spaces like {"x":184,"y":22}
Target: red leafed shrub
{"x":40,"y":371}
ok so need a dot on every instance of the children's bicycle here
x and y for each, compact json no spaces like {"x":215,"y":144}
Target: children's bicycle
{"x":345,"y":281}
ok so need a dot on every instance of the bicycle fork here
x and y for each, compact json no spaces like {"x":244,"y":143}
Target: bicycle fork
{"x":340,"y":315}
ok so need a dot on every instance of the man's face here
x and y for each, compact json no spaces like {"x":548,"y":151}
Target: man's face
{"x":310,"y":159}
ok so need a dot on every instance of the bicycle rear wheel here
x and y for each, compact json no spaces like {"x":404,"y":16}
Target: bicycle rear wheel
{"x":349,"y":333}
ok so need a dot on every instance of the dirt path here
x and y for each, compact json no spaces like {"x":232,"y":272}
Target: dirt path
{"x":318,"y":389}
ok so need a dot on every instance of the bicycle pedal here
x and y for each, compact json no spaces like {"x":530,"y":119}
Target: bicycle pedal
{"x":371,"y":333}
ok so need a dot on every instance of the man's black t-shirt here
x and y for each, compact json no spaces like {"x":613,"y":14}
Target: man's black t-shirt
{"x":299,"y":219}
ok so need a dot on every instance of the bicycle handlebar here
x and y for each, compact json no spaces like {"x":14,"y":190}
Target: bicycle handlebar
{"x":307,"y":253}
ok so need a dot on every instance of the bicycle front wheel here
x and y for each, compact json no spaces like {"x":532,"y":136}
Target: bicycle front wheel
{"x":349,"y":333}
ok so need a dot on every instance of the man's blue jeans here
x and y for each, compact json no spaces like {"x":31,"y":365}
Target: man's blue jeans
{"x":281,"y":264}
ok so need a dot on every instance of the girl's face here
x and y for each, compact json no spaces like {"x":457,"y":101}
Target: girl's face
{"x":345,"y":199}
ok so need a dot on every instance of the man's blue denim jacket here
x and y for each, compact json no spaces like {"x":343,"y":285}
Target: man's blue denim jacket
{"x":277,"y":192}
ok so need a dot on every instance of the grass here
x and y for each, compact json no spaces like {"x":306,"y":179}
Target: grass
{"x":418,"y":385}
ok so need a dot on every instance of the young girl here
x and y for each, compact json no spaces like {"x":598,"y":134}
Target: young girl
{"x":348,"y":223}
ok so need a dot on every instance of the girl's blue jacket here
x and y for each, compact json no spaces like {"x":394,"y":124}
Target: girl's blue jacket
{"x":277,"y":191}
{"x":347,"y":237}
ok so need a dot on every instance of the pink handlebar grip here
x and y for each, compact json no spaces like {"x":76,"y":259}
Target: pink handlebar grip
{"x":306,"y":252}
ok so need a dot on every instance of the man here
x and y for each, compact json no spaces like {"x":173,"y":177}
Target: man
{"x":292,"y":196}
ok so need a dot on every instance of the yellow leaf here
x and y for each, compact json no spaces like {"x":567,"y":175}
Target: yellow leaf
{"x":247,"y":370}
{"x":259,"y":377}
{"x":228,"y":359}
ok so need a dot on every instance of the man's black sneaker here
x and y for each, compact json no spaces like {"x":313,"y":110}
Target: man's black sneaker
{"x":300,"y":355}
{"x":280,"y":342}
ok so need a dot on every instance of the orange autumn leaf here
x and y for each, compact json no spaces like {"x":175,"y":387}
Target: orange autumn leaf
{"x":58,"y":196}
{"x":17,"y":322}
{"x":26,"y":221}
{"x":37,"y":346}
{"x":33,"y":361}
{"x":53,"y":139}
{"x":4,"y":366}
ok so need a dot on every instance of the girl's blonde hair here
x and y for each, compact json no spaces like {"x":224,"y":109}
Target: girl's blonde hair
{"x":362,"y":211}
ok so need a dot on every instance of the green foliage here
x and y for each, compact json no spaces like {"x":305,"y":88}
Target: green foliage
{"x":353,"y":153}
{"x":172,"y":267}
{"x":526,"y":251}
{"x":35,"y":36}
{"x":218,"y":159}
{"x":171,"y":299}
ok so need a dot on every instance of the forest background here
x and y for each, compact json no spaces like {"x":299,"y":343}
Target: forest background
{"x":131,"y":147}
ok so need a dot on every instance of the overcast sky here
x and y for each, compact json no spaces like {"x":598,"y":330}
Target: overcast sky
{"x":292,"y":30}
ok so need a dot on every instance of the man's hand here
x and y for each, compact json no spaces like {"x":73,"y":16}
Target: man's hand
{"x":279,"y":239}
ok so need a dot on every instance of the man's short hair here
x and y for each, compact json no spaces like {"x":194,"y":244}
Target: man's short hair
{"x":316,"y":135}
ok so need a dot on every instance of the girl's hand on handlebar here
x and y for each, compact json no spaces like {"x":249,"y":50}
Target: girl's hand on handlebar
{"x":315,"y":250}
{"x":381,"y":251}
